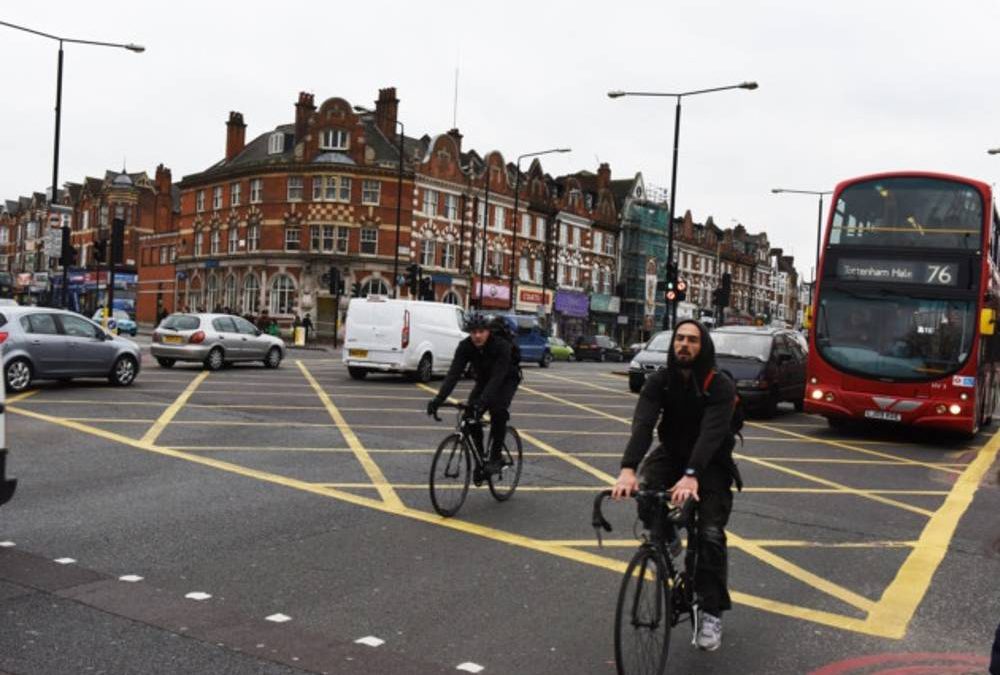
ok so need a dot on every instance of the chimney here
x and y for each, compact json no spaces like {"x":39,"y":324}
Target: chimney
{"x":163,"y":180}
{"x":603,"y":176}
{"x":457,"y":135}
{"x":236,"y":135}
{"x":386,"y":108}
{"x":303,"y":109}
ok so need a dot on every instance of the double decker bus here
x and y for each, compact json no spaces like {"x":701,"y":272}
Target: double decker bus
{"x":903,"y":316}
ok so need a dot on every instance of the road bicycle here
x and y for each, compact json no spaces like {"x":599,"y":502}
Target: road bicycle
{"x":657,"y":592}
{"x":460,"y":459}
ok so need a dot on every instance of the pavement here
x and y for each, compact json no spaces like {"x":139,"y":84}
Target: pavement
{"x":279,"y":522}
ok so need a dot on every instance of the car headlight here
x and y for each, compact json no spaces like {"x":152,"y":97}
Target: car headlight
{"x":635,"y":365}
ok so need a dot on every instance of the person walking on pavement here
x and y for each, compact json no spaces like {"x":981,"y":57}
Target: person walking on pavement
{"x":694,"y":405}
{"x":307,"y":324}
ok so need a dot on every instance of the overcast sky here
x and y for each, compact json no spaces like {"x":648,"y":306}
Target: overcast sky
{"x":846,"y":88}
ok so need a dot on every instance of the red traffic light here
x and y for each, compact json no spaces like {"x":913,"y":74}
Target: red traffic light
{"x":682,"y":285}
{"x":671,"y":296}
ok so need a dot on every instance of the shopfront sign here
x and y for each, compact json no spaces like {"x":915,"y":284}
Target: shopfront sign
{"x":492,"y":294}
{"x":531,"y":299}
{"x":609,"y":304}
{"x":572,"y":303}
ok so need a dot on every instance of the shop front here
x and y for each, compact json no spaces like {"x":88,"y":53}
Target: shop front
{"x":490,"y":295}
{"x":533,"y":300}
{"x":572,"y":311}
{"x":604,"y":311}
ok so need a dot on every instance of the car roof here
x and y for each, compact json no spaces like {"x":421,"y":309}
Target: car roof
{"x":751,"y":330}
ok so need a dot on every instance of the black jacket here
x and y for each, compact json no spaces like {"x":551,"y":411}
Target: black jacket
{"x":492,"y":366}
{"x":694,"y":425}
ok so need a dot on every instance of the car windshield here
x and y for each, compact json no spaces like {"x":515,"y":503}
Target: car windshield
{"x":908,"y":212}
{"x":894,"y":335}
{"x":180,"y":322}
{"x":742,"y":345}
{"x":659,"y":343}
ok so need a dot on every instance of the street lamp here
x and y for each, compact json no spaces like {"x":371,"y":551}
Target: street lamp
{"x":55,"y":150}
{"x":517,"y":194}
{"x":819,"y":217}
{"x":750,"y":86}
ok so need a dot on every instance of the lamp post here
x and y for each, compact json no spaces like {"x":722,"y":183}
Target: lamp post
{"x":819,"y":217}
{"x":55,"y":148}
{"x":672,"y":309}
{"x":517,"y":195}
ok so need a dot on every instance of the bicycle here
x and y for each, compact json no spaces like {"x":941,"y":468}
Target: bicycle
{"x":656,"y":594}
{"x":459,"y":458}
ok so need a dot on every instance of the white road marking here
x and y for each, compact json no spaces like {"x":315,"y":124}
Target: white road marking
{"x":278,"y":618}
{"x":130,"y":578}
{"x":370,"y":641}
{"x":7,"y":544}
{"x":65,"y":561}
{"x":470,"y":667}
{"x":198,"y":595}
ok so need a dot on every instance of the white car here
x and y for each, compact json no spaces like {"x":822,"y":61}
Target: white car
{"x":401,"y":336}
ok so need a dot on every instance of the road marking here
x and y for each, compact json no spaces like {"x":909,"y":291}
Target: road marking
{"x":278,"y":618}
{"x":767,"y":543}
{"x":198,"y":595}
{"x":130,"y":578}
{"x":375,"y":474}
{"x":470,"y":667}
{"x":65,"y":561}
{"x":20,"y":397}
{"x":370,"y":641}
{"x":7,"y":544}
{"x":244,"y":406}
{"x":168,"y":415}
{"x":89,"y":402}
{"x":596,"y":488}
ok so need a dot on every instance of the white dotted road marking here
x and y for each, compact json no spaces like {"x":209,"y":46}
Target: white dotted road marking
{"x":65,"y":561}
{"x":278,"y":618}
{"x":370,"y":641}
{"x":7,"y":544}
{"x":130,"y":578}
{"x":198,"y":595}
{"x":470,"y":667}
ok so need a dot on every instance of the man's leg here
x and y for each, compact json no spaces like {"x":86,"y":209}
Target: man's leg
{"x":499,"y":416}
{"x":710,"y":582}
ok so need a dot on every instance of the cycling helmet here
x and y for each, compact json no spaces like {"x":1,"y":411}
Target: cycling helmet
{"x":476,"y":321}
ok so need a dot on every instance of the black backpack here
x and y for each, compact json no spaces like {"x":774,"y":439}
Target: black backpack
{"x":501,"y":329}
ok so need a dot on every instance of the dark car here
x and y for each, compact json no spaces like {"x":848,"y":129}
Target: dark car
{"x":597,"y":348}
{"x":768,"y":365}
{"x":531,"y":339}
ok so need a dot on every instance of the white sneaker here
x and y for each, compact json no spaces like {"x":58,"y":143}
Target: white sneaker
{"x":709,"y":636}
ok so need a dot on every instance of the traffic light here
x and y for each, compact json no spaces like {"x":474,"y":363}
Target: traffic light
{"x":117,"y":240}
{"x":334,"y":281}
{"x":101,"y":250}
{"x":726,"y":290}
{"x":413,"y":279}
{"x":681,"y":288}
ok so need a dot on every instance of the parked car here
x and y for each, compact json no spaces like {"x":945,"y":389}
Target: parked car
{"x":633,"y":349}
{"x":597,"y":348}
{"x":650,"y":358}
{"x":531,"y":339}
{"x":768,"y":365}
{"x":214,"y":340}
{"x":560,"y":350}
{"x":40,"y":343}
{"x":410,"y":337}
{"x":123,"y":321}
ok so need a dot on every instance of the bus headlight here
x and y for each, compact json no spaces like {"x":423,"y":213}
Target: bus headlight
{"x":817,"y":394}
{"x":963,"y":396}
{"x":955,"y":409}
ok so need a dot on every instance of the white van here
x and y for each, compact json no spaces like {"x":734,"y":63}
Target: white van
{"x":401,"y":336}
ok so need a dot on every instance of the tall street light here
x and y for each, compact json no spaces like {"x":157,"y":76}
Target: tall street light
{"x":672,"y":309}
{"x":55,"y":149}
{"x":517,"y":195}
{"x":819,"y":217}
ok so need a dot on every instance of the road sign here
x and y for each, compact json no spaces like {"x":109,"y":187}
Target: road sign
{"x":53,"y":243}
{"x":112,"y":324}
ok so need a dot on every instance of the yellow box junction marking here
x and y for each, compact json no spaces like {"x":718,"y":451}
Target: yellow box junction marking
{"x":168,"y":415}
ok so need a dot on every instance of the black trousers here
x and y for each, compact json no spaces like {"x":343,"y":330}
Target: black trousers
{"x":498,"y":409}
{"x":660,"y":471}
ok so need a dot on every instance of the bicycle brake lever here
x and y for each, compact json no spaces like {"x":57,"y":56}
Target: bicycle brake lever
{"x":436,"y":416}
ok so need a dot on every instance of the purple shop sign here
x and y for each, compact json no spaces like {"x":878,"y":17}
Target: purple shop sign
{"x":572,"y":303}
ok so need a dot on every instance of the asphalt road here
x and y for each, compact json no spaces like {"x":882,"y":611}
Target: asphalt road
{"x":297,"y":501}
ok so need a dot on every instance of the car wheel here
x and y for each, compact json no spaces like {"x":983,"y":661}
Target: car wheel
{"x":17,"y":375}
{"x":165,"y":362}
{"x":215,"y":359}
{"x":635,"y":382}
{"x":357,"y":373}
{"x":124,"y":371}
{"x":578,"y":357}
{"x":425,"y":369}
{"x":273,"y":358}
{"x":134,"y":333}
{"x":546,"y":360}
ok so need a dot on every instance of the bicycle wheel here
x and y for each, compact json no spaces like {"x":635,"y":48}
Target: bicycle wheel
{"x":503,"y":484}
{"x":450,"y":473}
{"x":643,"y":617}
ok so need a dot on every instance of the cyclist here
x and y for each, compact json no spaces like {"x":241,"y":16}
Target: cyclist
{"x":694,"y":458}
{"x":497,"y":376}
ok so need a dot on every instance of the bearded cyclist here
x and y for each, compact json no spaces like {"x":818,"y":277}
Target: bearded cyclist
{"x":497,"y":375}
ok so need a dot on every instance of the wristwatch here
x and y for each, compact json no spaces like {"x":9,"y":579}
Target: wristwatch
{"x":690,"y":473}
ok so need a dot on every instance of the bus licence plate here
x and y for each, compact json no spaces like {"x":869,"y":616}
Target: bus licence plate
{"x":358,"y":353}
{"x":883,"y":415}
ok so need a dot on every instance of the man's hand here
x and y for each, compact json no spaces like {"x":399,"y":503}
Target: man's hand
{"x":626,"y":486}
{"x":432,"y":407}
{"x":686,"y":488}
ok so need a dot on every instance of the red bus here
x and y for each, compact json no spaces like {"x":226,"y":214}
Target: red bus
{"x":903,"y":314}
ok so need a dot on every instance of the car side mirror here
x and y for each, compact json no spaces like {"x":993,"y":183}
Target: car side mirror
{"x":258,"y":332}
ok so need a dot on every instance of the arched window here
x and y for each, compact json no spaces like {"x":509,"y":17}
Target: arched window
{"x":194,"y":296}
{"x":229,"y":293}
{"x":282,"y":294}
{"x":215,"y":241}
{"x":374,"y":286}
{"x":451,"y":297}
{"x":211,"y":293}
{"x":251,"y":294}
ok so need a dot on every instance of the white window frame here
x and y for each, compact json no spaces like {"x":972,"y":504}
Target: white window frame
{"x":371,"y":284}
{"x":229,"y":293}
{"x":523,"y":270}
{"x":344,"y":189}
{"x":499,"y":218}
{"x":451,"y":207}
{"x":256,"y":190}
{"x":276,"y":143}
{"x":525,"y":225}
{"x":329,"y":238}
{"x":315,"y":237}
{"x":214,"y":241}
{"x":199,"y":205}
{"x":334,"y":139}
{"x":251,"y":293}
{"x":538,"y":270}
{"x":234,"y":240}
{"x":217,"y":198}
{"x":296,"y":186}
{"x":373,"y":243}
{"x":428,"y":253}
{"x":293,"y":239}
{"x":448,"y":256}
{"x":282,"y":295}
{"x":235,"y":193}
{"x":577,"y":236}
{"x":253,"y":237}
{"x":598,"y":241}
{"x":371,"y":192}
{"x":430,"y":203}
{"x":343,"y":238}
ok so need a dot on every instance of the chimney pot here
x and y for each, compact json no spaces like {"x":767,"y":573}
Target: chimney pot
{"x":236,"y":132}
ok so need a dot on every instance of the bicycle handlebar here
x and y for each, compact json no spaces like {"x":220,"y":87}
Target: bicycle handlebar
{"x":448,"y":404}
{"x":677,"y":514}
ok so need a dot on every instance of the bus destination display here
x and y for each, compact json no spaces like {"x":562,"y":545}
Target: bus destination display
{"x":898,"y":271}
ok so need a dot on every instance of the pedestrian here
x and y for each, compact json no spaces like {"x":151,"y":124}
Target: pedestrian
{"x":273,"y":328}
{"x":263,"y":321}
{"x":307,"y":324}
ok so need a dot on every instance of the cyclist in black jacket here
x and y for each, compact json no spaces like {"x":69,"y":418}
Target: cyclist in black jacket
{"x":497,"y":377}
{"x":694,"y":458}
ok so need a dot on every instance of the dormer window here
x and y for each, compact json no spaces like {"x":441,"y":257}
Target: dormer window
{"x":333,"y":139}
{"x":276,"y":144}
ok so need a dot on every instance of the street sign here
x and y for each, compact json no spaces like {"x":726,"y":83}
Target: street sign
{"x":53,"y":243}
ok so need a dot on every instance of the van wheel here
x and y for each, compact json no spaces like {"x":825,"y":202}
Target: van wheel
{"x":357,"y":373}
{"x":425,"y":369}
{"x":215,"y":360}
{"x":546,"y":360}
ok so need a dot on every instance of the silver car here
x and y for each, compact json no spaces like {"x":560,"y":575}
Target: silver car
{"x":215,"y":340}
{"x":40,"y":343}
{"x":650,"y":358}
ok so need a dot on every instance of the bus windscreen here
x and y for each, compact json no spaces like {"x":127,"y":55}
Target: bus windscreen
{"x":908,"y":212}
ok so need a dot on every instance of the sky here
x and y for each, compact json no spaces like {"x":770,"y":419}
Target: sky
{"x":846,"y":88}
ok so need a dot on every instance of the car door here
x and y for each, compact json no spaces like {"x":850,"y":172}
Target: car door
{"x":784,"y":365}
{"x":88,"y":351}
{"x":798,"y":368}
{"x":233,"y":344}
{"x":46,"y":347}
{"x":252,"y":341}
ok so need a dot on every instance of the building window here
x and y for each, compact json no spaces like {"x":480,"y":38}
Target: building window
{"x":369,"y":240}
{"x":333,"y":139}
{"x":574,"y":276}
{"x":428,"y":253}
{"x":451,"y":207}
{"x":199,"y":206}
{"x":448,"y":256}
{"x":374,"y":286}
{"x":576,"y":236}
{"x":598,"y":241}
{"x":173,"y":253}
{"x":371,"y":192}
{"x":86,"y":221}
{"x":251,"y":294}
{"x":343,"y":239}
{"x":253,"y":237}
{"x":500,"y":218}
{"x":540,"y":228}
{"x":229,"y":294}
{"x":256,"y":190}
{"x":314,"y":238}
{"x":538,"y":269}
{"x":198,"y":240}
{"x":212,"y":294}
{"x":430,"y":202}
{"x":235,"y":193}
{"x":234,"y":239}
{"x":214,"y":242}
{"x":331,"y":188}
{"x":523,"y":269}
{"x":609,"y":244}
{"x":163,"y":255}
{"x":282,"y":294}
{"x":480,"y":214}
{"x":276,"y":144}
{"x":496,"y":262}
{"x":563,"y":233}
{"x":328,"y":237}
{"x":295,"y":188}
{"x":526,"y":225}
{"x":217,"y":198}
{"x":292,"y":239}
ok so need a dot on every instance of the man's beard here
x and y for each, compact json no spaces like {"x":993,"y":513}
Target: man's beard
{"x":685,"y":361}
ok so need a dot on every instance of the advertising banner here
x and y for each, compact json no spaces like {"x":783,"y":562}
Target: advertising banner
{"x":573,"y":303}
{"x":651,"y":287}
